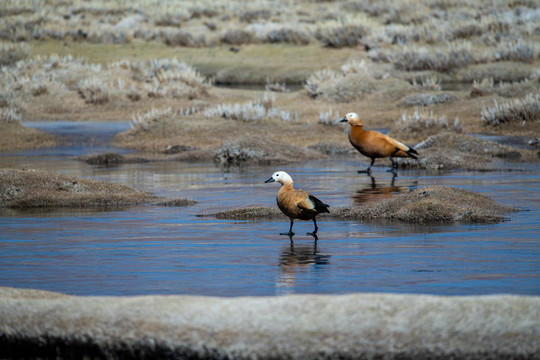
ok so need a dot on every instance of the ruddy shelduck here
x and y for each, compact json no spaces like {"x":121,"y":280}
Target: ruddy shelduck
{"x":297,"y":204}
{"x":375,"y":145}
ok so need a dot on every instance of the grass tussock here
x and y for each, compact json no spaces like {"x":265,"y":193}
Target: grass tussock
{"x":11,"y":53}
{"x":355,"y":80}
{"x":431,"y":204}
{"x":515,"y":111}
{"x":41,"y":189}
{"x":61,"y":80}
{"x":421,"y":124}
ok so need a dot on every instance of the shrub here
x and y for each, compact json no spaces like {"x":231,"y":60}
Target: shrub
{"x":517,"y":110}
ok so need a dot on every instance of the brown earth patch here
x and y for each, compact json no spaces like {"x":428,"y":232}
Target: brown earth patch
{"x":42,"y":189}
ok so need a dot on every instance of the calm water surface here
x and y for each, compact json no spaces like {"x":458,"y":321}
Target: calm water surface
{"x":164,"y":250}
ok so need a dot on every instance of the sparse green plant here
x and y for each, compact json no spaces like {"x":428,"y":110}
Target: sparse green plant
{"x":515,"y":111}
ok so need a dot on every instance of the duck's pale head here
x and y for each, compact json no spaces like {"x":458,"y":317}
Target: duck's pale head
{"x":281,"y":177}
{"x":352,"y":119}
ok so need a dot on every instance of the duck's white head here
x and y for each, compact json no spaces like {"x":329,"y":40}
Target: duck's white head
{"x":352,"y":118}
{"x":281,"y":177}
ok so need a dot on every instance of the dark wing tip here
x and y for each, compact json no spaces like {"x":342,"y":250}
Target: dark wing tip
{"x":320,"y":207}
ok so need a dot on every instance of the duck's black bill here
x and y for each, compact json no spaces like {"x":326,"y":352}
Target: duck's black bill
{"x":343,"y":120}
{"x":270,"y":180}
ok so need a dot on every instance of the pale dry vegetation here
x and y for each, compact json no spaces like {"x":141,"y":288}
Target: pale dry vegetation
{"x":390,"y":61}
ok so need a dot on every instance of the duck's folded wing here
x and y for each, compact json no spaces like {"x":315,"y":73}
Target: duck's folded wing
{"x":304,"y":202}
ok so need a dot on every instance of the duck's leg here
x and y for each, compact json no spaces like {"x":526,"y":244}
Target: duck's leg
{"x":394,"y":165}
{"x":314,"y":233}
{"x":368,"y":170}
{"x":290,"y":233}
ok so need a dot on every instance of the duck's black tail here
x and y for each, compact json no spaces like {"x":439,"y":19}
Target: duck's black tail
{"x":412,"y":153}
{"x":319,"y":205}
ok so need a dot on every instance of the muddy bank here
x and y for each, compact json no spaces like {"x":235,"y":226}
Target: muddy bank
{"x":358,"y":326}
{"x":429,"y":204}
{"x":40,"y":189}
{"x":449,"y":150}
{"x":14,"y":136}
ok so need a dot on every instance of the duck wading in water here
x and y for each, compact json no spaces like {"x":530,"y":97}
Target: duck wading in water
{"x":375,"y":145}
{"x":297,"y":204}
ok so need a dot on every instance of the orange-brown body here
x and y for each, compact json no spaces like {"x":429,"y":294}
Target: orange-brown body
{"x":374,"y":144}
{"x":296,"y":204}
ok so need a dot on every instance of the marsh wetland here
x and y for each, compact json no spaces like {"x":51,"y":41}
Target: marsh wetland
{"x":202,"y":101}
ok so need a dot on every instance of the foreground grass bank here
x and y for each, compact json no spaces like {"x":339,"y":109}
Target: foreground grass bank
{"x":357,"y":326}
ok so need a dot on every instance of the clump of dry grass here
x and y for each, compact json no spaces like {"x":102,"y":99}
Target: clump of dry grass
{"x":426,"y":99}
{"x":520,"y":110}
{"x":275,"y":86}
{"x":93,"y":90}
{"x":355,"y":79}
{"x":421,"y":124}
{"x":11,"y":53}
{"x":9,"y":115}
{"x":418,"y":58}
{"x":258,"y":110}
{"x":39,"y":189}
{"x":329,"y":118}
{"x":348,"y":32}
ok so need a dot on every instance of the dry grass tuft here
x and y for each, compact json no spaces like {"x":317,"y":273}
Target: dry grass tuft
{"x":11,"y":53}
{"x":421,"y":124}
{"x":521,"y":110}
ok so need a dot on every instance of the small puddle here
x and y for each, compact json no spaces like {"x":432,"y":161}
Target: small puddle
{"x":164,"y":250}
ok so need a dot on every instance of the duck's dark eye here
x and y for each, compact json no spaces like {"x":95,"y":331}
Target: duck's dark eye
{"x":277,"y":174}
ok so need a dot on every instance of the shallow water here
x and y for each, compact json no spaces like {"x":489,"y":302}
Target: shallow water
{"x":167,"y":250}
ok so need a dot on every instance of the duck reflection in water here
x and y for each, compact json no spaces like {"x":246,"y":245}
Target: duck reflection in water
{"x":298,"y":258}
{"x":373,"y":191}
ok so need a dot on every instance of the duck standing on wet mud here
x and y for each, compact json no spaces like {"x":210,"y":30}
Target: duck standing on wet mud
{"x":297,"y":204}
{"x":375,"y":145}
